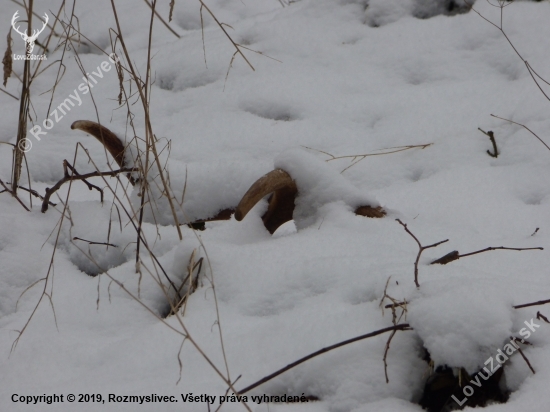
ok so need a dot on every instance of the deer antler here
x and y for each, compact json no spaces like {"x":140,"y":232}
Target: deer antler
{"x":281,"y":203}
{"x":107,"y":138}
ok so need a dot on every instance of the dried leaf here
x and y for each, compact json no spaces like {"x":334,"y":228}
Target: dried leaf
{"x":7,"y":61}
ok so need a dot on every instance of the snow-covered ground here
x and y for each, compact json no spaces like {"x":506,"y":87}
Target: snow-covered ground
{"x":337,"y":77}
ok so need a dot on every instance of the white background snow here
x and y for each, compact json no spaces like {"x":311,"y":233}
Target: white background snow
{"x":350,"y":77}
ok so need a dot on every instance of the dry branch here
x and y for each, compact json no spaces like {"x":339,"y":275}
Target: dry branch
{"x":163,"y":21}
{"x":493,"y":141}
{"x":514,"y":339}
{"x":395,"y":320}
{"x":75,"y":176}
{"x":534,"y":75}
{"x":94,"y":243}
{"x":540,"y":316}
{"x":14,"y":195}
{"x":403,"y":326}
{"x":526,"y":305}
{"x":359,"y":157}
{"x":454,"y":255}
{"x":24,"y":103}
{"x":386,"y":350}
{"x":420,"y":250}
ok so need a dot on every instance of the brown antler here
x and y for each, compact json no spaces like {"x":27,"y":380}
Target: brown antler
{"x":111,"y":142}
{"x":281,"y":203}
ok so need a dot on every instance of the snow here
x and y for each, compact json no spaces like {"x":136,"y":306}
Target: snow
{"x":335,"y":78}
{"x":318,"y":184}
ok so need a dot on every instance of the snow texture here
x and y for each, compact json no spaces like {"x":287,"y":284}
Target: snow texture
{"x":335,"y":80}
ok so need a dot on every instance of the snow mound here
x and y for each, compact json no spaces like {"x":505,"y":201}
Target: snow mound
{"x":459,"y":323}
{"x":318,"y":185}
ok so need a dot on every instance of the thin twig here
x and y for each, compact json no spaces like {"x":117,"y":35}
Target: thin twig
{"x":163,"y":21}
{"x":227,"y":34}
{"x":69,"y":178}
{"x":522,"y":354}
{"x":454,"y":255}
{"x":94,"y":243}
{"x":23,"y":111}
{"x":14,"y":195}
{"x":91,"y":186}
{"x":522,"y":125}
{"x":403,"y":326}
{"x":540,"y":316}
{"x":420,"y":250}
{"x":36,"y":194}
{"x":148,"y":126}
{"x":526,"y":305}
{"x":9,"y":94}
{"x":358,"y":158}
{"x":499,"y":248}
{"x":531,"y":71}
{"x":226,"y":392}
{"x":395,"y":305}
{"x":386,"y":355}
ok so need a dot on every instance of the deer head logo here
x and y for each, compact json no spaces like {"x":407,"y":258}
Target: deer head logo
{"x":29,"y":39}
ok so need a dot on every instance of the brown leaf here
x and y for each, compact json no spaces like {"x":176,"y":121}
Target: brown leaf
{"x":7,"y":61}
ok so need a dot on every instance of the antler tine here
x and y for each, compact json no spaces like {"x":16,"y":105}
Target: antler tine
{"x":281,"y":203}
{"x":111,"y":142}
